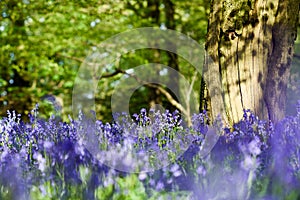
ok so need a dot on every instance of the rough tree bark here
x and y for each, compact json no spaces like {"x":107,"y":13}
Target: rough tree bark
{"x":250,"y":46}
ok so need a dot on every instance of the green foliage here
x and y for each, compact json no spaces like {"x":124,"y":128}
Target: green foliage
{"x":124,"y":188}
{"x":171,"y":195}
{"x":129,"y":188}
{"x":43,"y":44}
{"x":105,"y":193}
{"x":5,"y":193}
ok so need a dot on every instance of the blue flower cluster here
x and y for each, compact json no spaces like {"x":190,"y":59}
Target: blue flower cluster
{"x":286,"y":150}
{"x":55,"y":159}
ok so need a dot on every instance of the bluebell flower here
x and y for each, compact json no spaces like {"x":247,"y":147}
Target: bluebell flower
{"x":286,"y":150}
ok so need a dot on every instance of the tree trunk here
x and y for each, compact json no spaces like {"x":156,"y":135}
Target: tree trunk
{"x":154,"y":14}
{"x":172,"y":57}
{"x":250,"y":46}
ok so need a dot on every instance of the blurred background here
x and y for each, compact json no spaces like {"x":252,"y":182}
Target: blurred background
{"x":43,"y":44}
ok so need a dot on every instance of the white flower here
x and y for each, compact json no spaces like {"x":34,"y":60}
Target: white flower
{"x":142,"y":176}
{"x":253,"y":147}
{"x":41,"y":161}
{"x":249,"y":163}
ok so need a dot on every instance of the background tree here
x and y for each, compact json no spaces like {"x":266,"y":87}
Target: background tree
{"x":43,"y":44}
{"x":251,"y":45}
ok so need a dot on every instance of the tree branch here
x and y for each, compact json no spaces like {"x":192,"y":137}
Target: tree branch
{"x":70,"y":57}
{"x":160,"y":88}
{"x":118,"y":71}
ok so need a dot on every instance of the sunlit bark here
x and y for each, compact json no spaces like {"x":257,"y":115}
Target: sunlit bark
{"x":250,"y":43}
